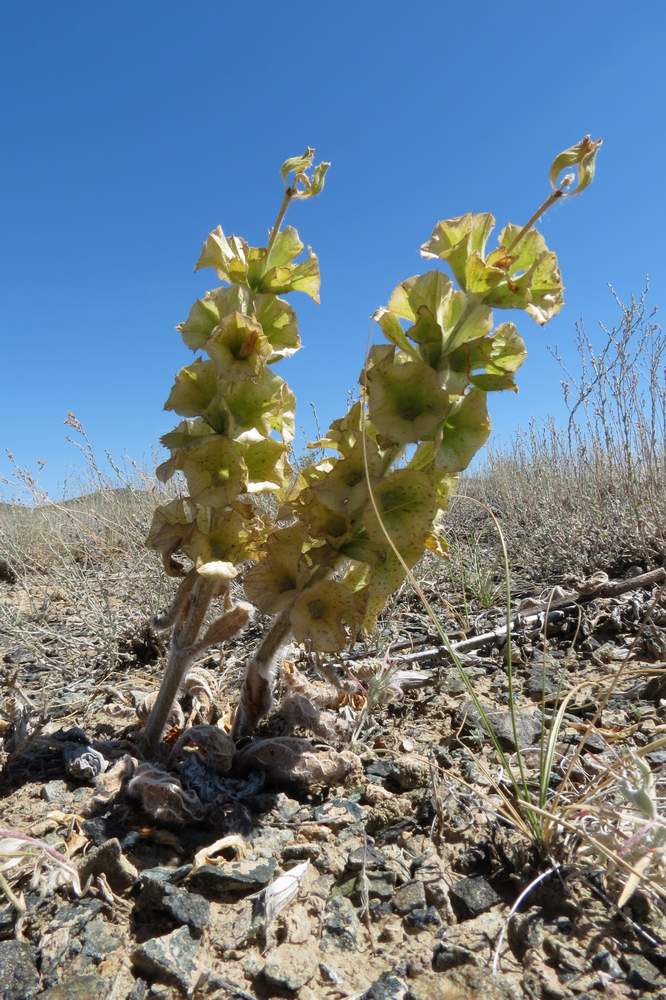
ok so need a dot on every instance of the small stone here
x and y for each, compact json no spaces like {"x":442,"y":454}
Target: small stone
{"x":381,"y":769}
{"x":365,"y":857}
{"x":409,"y":897}
{"x":329,"y":974}
{"x":528,"y":725}
{"x":253,"y":965}
{"x":642,"y":973}
{"x":302,"y":852}
{"x":339,"y":813}
{"x":18,"y":970}
{"x":607,"y":963}
{"x":290,"y":966}
{"x":387,"y":987}
{"x":341,"y":927}
{"x":110,"y":861}
{"x":181,"y":906}
{"x":472,"y":896}
{"x":381,"y":885}
{"x":544,"y":681}
{"x":186,"y":908}
{"x":54,"y":791}
{"x":77,"y":988}
{"x":411,"y":772}
{"x":233,"y":877}
{"x":162,"y":873}
{"x":449,"y":956}
{"x":171,"y":959}
{"x":99,"y":941}
{"x":287,"y":808}
{"x":424,"y":918}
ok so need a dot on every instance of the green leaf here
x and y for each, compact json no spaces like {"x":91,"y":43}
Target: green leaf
{"x":186,"y":434}
{"x":286,"y":246}
{"x":267,"y":466}
{"x":215,"y":471}
{"x":228,"y":255}
{"x":202,"y":319}
{"x":455,"y":240}
{"x":430,"y":290}
{"x":303,"y":277}
{"x":392,"y":329}
{"x":507,"y":350}
{"x":265,"y":403}
{"x":274,"y":583}
{"x":344,"y":489}
{"x":493,"y":383}
{"x":238,"y":348}
{"x":194,"y":389}
{"x":322,"y":522}
{"x":467,"y":429}
{"x":319,"y":615}
{"x":344,"y":433}
{"x":406,"y":402}
{"x":406,"y":503}
{"x":278,"y":321}
{"x":220,"y":535}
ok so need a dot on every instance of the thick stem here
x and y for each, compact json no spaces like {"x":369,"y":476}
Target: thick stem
{"x":288,"y":195}
{"x":256,"y":695}
{"x":183,"y":638}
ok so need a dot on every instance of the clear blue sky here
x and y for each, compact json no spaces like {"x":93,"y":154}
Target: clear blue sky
{"x":132,"y":129}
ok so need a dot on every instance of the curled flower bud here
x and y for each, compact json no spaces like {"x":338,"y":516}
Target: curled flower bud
{"x":583,"y":156}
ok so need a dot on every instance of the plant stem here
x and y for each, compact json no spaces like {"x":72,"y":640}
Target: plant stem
{"x":184,"y":635}
{"x":541,"y":210}
{"x":256,"y":695}
{"x":288,"y":195}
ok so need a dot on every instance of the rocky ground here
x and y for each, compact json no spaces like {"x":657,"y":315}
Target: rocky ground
{"x":396,"y":883}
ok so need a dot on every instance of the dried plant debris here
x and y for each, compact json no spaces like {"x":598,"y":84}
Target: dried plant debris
{"x":22,"y":855}
{"x":161,"y":795}
{"x":289,"y":760}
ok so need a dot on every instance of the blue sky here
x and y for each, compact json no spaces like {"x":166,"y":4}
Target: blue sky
{"x":131,"y":130}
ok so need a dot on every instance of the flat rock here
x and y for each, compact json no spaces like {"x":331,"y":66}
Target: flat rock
{"x":164,"y":874}
{"x":339,"y":813}
{"x":449,"y":956}
{"x":110,"y":861}
{"x":99,"y":940}
{"x":424,"y":918}
{"x":233,"y":877}
{"x":472,"y":896}
{"x":409,"y":897}
{"x":171,"y":959}
{"x":187,"y":908}
{"x":18,"y":970}
{"x":528,"y":725}
{"x":76,"y":988}
{"x":642,"y":973}
{"x":341,"y":926}
{"x":290,"y":966}
{"x":365,"y":857}
{"x":387,"y":987}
